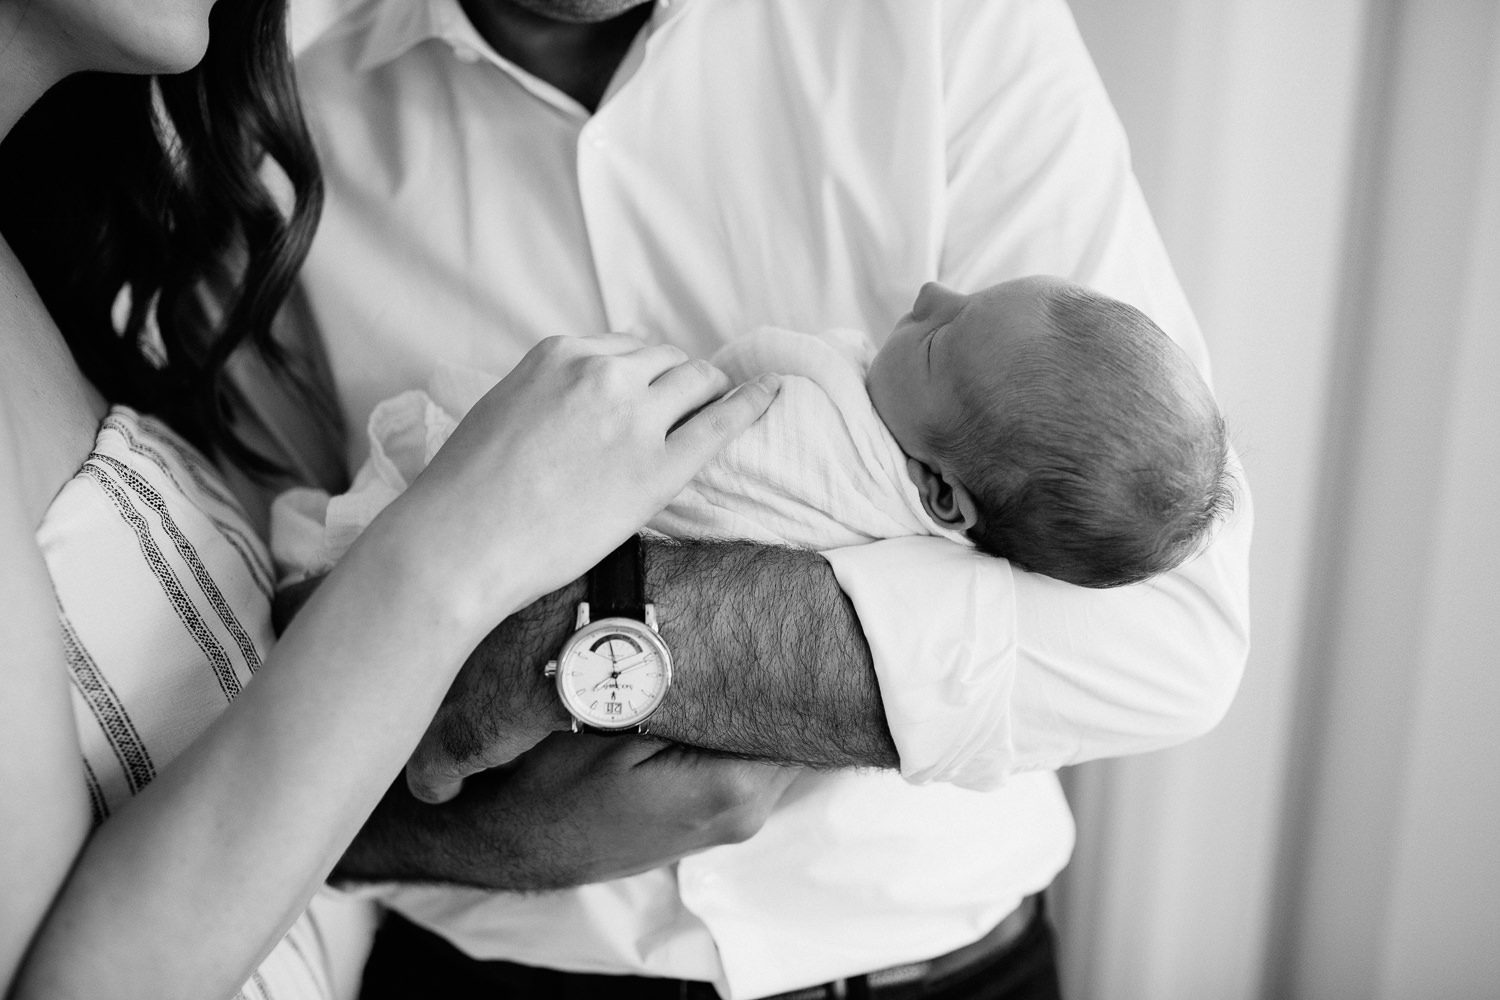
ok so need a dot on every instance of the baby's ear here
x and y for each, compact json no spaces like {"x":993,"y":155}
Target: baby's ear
{"x":947,"y":500}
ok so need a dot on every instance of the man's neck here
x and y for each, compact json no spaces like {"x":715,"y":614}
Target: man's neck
{"x":578,"y":59}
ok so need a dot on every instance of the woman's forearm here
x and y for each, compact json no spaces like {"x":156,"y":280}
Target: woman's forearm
{"x":185,"y":890}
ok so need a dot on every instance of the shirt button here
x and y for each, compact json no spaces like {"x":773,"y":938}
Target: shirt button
{"x":465,"y":53}
{"x":599,"y":141}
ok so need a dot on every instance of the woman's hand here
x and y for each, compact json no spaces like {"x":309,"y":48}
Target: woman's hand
{"x":577,"y":447}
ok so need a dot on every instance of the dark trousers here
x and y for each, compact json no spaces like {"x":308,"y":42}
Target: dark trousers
{"x":410,"y":963}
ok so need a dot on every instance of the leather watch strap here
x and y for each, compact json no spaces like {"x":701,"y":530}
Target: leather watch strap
{"x":617,"y":585}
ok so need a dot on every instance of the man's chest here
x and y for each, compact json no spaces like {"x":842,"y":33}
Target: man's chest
{"x":686,"y":212}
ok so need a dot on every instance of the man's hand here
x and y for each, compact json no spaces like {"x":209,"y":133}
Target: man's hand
{"x":576,"y":809}
{"x":500,"y":705}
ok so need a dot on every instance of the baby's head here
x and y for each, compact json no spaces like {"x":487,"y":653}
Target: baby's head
{"x":1057,"y":427}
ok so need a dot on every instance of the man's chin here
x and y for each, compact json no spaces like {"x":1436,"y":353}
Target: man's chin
{"x":579,"y":11}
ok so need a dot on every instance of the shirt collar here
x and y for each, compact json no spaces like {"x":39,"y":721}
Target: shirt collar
{"x":395,"y":27}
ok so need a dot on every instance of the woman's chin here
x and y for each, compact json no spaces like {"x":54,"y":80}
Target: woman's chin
{"x":171,"y":48}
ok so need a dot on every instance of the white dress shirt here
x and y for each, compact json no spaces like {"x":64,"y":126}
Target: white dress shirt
{"x":800,"y":164}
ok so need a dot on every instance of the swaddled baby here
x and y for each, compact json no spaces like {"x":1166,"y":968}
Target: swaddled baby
{"x":1036,"y":419}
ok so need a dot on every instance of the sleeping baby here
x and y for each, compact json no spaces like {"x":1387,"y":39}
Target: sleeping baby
{"x":1037,"y":420}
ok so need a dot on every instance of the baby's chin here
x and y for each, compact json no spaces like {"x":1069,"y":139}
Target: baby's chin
{"x":905,"y":438}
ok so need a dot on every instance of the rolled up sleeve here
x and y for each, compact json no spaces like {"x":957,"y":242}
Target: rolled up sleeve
{"x":985,"y":670}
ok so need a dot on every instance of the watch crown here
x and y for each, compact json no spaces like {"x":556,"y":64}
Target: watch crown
{"x":550,"y":670}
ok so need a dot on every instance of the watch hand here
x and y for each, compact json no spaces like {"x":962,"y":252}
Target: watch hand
{"x":631,"y":662}
{"x":583,"y":654}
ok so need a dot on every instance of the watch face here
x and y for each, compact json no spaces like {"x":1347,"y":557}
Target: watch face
{"x":612,"y":673}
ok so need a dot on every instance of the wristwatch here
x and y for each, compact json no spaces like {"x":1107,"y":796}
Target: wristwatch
{"x":614,"y":670}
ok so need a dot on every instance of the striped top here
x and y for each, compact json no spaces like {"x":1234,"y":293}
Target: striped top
{"x":164,"y":599}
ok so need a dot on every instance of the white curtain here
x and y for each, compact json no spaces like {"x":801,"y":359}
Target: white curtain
{"x":1326,"y":174}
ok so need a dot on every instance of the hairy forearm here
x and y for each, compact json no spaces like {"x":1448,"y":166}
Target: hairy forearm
{"x":770,"y":664}
{"x":769,"y":660}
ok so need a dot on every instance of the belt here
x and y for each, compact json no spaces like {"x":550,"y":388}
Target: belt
{"x":410,"y":962}
{"x":898,"y":979}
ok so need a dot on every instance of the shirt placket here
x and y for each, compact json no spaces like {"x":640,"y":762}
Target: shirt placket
{"x":607,"y":202}
{"x":597,"y":156}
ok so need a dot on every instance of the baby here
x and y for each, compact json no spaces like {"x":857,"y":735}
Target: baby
{"x":1038,"y":420}
{"x":1056,"y":427}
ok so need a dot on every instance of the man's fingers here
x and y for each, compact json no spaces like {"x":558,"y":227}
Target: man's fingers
{"x":702,"y":435}
{"x":727,"y":799}
{"x":432,"y":774}
{"x":616,"y":754}
{"x":432,"y":794}
{"x":753,"y":776}
{"x":435,"y":775}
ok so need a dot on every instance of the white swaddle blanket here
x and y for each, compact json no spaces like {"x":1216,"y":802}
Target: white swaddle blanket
{"x":819,"y":470}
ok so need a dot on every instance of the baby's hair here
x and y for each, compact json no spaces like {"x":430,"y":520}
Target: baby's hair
{"x":1099,"y":456}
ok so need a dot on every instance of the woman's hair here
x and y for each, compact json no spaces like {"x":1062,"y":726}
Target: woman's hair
{"x":148,"y":192}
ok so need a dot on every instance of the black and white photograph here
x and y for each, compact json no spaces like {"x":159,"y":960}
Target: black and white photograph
{"x":749,"y":499}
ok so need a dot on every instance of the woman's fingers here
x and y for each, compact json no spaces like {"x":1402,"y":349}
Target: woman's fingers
{"x":604,"y":343}
{"x":685,"y":387}
{"x":656,"y":360}
{"x":621,"y":362}
{"x":647,"y":360}
{"x":581,"y":443}
{"x":558,"y":354}
{"x":703,"y":434}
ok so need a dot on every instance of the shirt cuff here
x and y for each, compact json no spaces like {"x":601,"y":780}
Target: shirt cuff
{"x":940,"y":623}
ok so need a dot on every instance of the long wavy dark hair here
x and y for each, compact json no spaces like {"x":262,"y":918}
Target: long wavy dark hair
{"x":155,"y":186}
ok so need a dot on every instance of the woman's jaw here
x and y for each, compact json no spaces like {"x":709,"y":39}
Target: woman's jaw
{"x":44,"y":41}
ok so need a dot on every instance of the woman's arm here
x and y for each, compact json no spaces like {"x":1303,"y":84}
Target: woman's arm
{"x":281,"y":782}
{"x":46,"y":815}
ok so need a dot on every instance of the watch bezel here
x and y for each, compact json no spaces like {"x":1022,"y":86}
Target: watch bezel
{"x":586,"y":635}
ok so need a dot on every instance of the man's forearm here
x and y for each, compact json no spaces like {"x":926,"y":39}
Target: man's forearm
{"x":770,"y":662}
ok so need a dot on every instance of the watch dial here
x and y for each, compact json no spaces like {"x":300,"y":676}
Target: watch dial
{"x":613,"y":678}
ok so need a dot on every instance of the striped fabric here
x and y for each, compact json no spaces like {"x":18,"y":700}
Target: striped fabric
{"x":163,"y":593}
